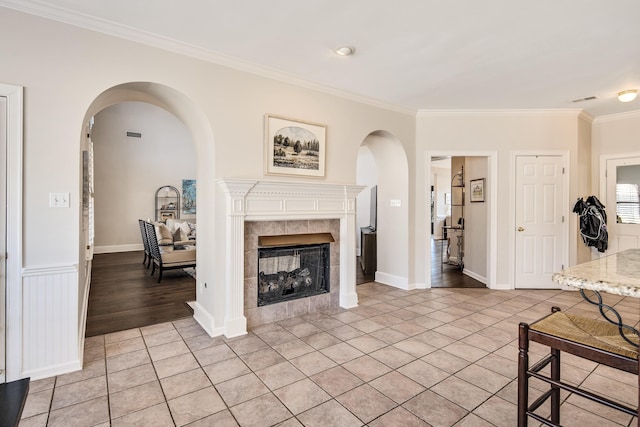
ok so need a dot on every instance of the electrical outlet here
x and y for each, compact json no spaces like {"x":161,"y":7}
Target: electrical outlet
{"x":58,"y":200}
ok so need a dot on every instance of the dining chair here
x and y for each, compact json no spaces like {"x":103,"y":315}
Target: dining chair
{"x":597,"y":340}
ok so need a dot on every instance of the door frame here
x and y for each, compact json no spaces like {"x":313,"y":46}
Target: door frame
{"x":602,"y":193}
{"x":492,"y":217}
{"x":512,"y":205}
{"x":13,"y":282}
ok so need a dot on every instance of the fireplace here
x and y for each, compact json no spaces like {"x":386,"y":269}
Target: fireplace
{"x":269,"y":208}
{"x":291,"y":272}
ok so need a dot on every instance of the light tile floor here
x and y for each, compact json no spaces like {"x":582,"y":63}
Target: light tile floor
{"x":437,"y":357}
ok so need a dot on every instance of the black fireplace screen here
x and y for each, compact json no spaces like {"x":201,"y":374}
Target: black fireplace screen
{"x":291,"y":272}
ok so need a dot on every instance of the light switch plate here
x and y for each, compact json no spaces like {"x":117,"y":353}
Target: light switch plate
{"x":395,"y":203}
{"x":58,"y":200}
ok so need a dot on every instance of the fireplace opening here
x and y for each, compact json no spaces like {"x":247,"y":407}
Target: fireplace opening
{"x":291,"y":272}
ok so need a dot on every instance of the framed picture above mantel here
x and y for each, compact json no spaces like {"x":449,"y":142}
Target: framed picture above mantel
{"x":294,"y":147}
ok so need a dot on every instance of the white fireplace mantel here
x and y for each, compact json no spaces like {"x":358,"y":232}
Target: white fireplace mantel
{"x":255,"y":200}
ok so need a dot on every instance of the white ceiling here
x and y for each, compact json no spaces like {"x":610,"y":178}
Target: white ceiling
{"x":411,"y":54}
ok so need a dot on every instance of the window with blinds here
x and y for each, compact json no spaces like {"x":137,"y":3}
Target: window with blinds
{"x":627,"y":204}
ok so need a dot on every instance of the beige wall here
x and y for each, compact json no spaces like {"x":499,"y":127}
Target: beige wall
{"x":128,"y":171}
{"x":475,"y":220}
{"x":506,"y":133}
{"x":392,"y":221}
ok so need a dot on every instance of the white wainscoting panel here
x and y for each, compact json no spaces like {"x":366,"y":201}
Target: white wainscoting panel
{"x":50,"y":321}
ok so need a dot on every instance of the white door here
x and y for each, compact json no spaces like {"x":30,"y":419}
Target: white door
{"x":3,"y":236}
{"x":622,"y":204}
{"x":540,"y":240}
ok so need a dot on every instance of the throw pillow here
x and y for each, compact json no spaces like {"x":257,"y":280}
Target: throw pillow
{"x":178,"y":235}
{"x":164,"y":234}
{"x":192,"y":227}
{"x":184,"y":227}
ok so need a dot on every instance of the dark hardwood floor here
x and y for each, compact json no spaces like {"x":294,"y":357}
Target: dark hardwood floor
{"x":124,"y":295}
{"x":360,"y":276}
{"x":448,"y":276}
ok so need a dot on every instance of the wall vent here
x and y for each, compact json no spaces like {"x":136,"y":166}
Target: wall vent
{"x":588,"y":98}
{"x":134,"y":134}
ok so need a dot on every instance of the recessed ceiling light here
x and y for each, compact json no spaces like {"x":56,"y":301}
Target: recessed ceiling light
{"x":345,"y":50}
{"x":627,"y":95}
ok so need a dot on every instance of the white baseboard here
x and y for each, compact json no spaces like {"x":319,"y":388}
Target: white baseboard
{"x":473,"y":275}
{"x":393,"y":280}
{"x":52,"y":371}
{"x":349,"y":300}
{"x":109,"y":249}
{"x":503,"y":287}
{"x":205,"y":320}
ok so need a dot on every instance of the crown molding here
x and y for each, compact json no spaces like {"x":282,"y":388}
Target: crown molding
{"x":619,"y":116}
{"x":586,"y":117}
{"x":501,"y":113}
{"x":126,"y":32}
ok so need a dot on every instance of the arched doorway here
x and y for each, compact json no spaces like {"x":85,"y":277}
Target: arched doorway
{"x":382,"y":163}
{"x":198,"y":128}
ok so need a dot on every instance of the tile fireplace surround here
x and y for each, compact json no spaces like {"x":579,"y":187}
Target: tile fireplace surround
{"x":284,"y":310}
{"x":296,"y":206}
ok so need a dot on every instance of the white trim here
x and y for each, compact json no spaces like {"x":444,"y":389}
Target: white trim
{"x":492,"y":218}
{"x":84,"y":307}
{"x":473,"y":275}
{"x":109,"y":249}
{"x":255,"y":200}
{"x":602,"y":179}
{"x":52,"y":371}
{"x":501,"y":113}
{"x":619,"y":116}
{"x":206,"y":320}
{"x":46,"y":270}
{"x":13,"y":290}
{"x":602,"y":193}
{"x":566,"y":162}
{"x":393,"y":280}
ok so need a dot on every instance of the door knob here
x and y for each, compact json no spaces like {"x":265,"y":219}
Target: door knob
{"x":520,"y":228}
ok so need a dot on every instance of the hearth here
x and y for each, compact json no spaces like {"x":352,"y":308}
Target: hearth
{"x":291,"y":272}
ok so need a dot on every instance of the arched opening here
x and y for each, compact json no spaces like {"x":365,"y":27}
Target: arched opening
{"x":198,"y":130}
{"x":383,"y":207}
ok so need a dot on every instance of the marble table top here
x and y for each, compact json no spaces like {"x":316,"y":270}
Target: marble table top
{"x":616,"y":274}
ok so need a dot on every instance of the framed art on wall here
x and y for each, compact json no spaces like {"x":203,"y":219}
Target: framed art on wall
{"x":189,"y":196}
{"x":477,"y":190}
{"x":294,"y":147}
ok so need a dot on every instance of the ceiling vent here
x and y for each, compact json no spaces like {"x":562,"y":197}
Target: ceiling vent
{"x":588,"y":98}
{"x":134,"y":134}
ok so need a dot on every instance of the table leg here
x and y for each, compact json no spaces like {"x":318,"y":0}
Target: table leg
{"x":604,"y":309}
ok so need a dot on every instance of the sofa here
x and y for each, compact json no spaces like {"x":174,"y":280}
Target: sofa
{"x":177,"y":232}
{"x":165,"y":253}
